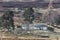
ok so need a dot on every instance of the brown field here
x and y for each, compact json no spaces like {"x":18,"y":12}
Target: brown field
{"x":21,"y":39}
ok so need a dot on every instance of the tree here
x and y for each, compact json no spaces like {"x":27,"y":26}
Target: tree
{"x":28,"y":15}
{"x":57,"y":20}
{"x":7,"y":20}
{"x":1,"y":25}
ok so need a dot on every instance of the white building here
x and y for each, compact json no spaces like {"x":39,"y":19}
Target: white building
{"x":36,"y":26}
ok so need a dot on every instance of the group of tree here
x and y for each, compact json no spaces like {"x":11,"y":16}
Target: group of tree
{"x":6,"y":20}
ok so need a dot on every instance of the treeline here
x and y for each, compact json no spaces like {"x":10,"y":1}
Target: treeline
{"x":7,"y":21}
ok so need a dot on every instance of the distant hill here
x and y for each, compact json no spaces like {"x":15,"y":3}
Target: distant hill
{"x":28,"y":4}
{"x":19,"y":0}
{"x":56,"y":1}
